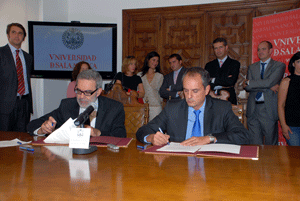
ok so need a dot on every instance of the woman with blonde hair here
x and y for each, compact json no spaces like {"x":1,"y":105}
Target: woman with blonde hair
{"x":128,"y":77}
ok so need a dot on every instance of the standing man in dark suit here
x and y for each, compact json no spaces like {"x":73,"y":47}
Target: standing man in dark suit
{"x":223,"y":71}
{"x":107,"y":121}
{"x":196,"y":120}
{"x":262,"y":82}
{"x":15,"y":90}
{"x":172,"y":84}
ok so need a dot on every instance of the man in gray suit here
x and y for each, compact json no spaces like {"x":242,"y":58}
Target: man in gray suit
{"x":196,"y":120}
{"x":15,"y":90}
{"x":262,"y":82}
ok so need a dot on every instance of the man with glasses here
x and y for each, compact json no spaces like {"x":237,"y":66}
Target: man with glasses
{"x":108,"y":121}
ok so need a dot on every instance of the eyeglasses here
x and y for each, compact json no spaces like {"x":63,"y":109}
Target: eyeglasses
{"x":130,"y":57}
{"x":86,"y":93}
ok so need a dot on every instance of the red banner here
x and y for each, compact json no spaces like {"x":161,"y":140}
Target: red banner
{"x":282,"y":30}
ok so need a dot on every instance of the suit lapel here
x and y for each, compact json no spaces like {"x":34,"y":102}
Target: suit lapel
{"x":207,"y":115}
{"x":269,"y":68}
{"x":10,"y":57}
{"x":100,"y":112}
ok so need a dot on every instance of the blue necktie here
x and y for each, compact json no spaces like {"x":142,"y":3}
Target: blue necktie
{"x":259,"y":94}
{"x":197,"y":127}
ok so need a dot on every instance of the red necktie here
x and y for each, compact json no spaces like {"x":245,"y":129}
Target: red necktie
{"x":21,"y":85}
{"x":221,"y":64}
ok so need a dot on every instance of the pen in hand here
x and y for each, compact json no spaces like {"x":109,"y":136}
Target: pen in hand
{"x":162,"y":133}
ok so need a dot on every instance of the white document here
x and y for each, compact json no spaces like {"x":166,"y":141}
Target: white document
{"x":11,"y":143}
{"x":62,"y":134}
{"x":176,"y":147}
{"x":226,"y":148}
{"x":80,"y":138}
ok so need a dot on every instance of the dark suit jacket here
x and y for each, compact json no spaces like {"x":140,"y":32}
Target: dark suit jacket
{"x":272,"y":76}
{"x":110,"y":117}
{"x":229,"y":67}
{"x":9,"y":80}
{"x":169,"y":81}
{"x":219,"y":120}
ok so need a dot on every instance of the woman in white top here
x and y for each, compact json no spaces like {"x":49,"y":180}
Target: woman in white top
{"x":152,"y":80}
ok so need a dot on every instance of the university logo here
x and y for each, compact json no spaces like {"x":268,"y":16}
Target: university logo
{"x":73,"y":38}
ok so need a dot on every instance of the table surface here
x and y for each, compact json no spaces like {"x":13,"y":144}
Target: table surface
{"x":53,"y":173}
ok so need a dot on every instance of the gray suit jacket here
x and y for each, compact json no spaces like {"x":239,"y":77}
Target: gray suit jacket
{"x":272,"y":76}
{"x":169,"y":81}
{"x":219,"y":120}
{"x":9,"y":80}
{"x":109,"y":120}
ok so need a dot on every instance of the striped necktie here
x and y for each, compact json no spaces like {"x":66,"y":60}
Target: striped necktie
{"x":21,"y":84}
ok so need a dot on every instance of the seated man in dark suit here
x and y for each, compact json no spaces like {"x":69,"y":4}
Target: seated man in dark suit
{"x":171,"y":87}
{"x":223,"y":71}
{"x":110,"y":117}
{"x":196,"y":120}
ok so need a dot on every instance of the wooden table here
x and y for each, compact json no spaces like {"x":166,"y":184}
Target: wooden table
{"x":132,"y":175}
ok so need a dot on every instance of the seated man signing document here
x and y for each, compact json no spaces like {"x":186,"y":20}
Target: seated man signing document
{"x":108,"y":121}
{"x":196,"y":120}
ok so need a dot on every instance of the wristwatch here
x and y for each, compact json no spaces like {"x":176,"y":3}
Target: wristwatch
{"x":212,"y":138}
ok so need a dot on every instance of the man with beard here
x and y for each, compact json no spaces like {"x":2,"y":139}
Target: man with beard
{"x":196,"y":120}
{"x":108,"y":120}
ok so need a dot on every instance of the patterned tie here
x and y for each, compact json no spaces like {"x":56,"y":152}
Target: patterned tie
{"x":175,"y":76}
{"x":197,"y":127}
{"x":21,"y":85}
{"x":221,"y":63}
{"x":259,"y":94}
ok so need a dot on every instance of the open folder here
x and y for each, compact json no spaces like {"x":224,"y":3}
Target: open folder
{"x":209,"y":150}
{"x":99,"y":141}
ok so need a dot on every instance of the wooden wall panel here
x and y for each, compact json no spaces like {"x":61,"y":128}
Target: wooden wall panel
{"x":183,"y":35}
{"x":190,"y":30}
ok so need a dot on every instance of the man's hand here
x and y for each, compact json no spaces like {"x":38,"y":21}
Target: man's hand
{"x":158,"y":138}
{"x":275,"y":88}
{"x":245,"y":83}
{"x":196,"y":141}
{"x":168,"y":89}
{"x":94,"y":131}
{"x":181,"y":94}
{"x":48,"y":126}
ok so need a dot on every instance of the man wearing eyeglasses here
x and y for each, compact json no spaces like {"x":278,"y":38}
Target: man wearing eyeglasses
{"x":110,"y":117}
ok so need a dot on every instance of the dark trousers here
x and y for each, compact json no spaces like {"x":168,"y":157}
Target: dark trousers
{"x":18,"y":119}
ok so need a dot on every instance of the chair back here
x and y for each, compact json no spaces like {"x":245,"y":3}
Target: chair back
{"x":136,"y":114}
{"x":238,"y":110}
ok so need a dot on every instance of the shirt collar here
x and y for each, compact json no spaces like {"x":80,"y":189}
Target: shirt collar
{"x":178,"y":71}
{"x":191,"y":111}
{"x":223,"y":60}
{"x":13,"y":49}
{"x":266,"y":62}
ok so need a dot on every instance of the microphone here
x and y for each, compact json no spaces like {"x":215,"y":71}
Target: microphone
{"x":85,"y":115}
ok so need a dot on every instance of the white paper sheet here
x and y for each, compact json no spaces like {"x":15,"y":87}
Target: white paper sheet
{"x":176,"y":147}
{"x":62,"y":134}
{"x":226,"y":148}
{"x":11,"y":143}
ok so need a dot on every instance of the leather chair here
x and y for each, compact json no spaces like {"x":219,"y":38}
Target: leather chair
{"x":136,"y":114}
{"x":237,"y":109}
